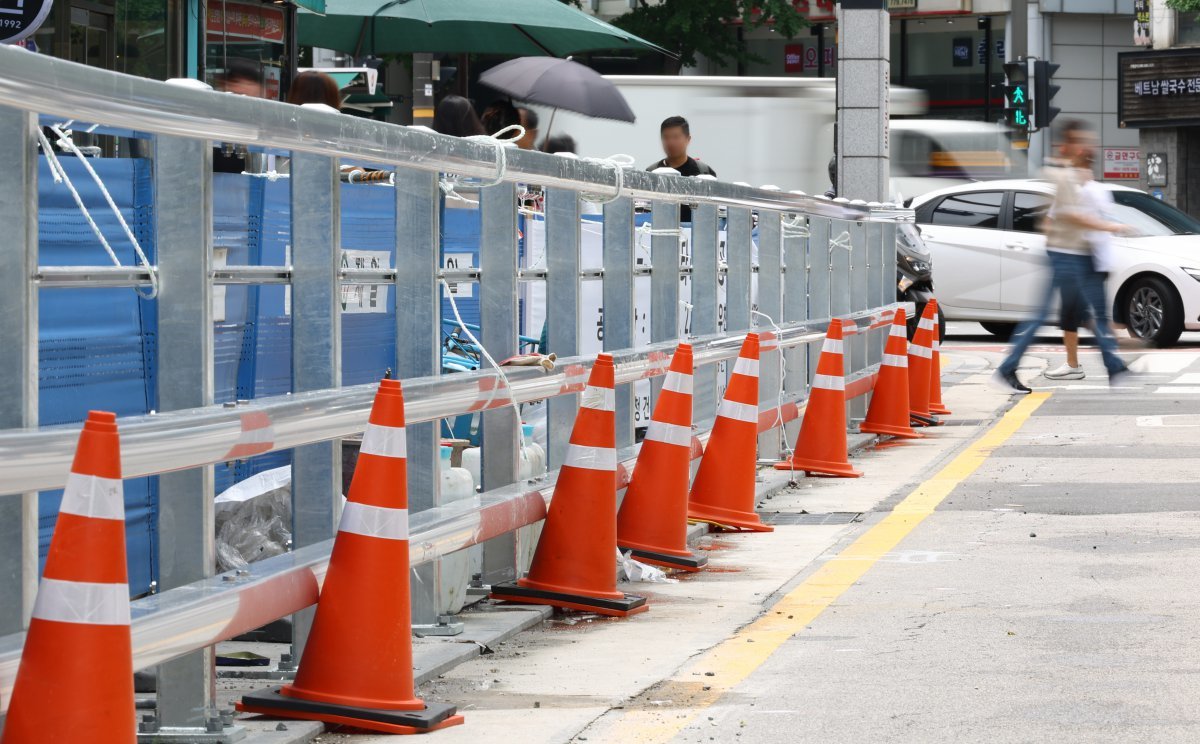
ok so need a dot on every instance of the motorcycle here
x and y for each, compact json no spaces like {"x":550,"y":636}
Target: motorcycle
{"x":914,"y":274}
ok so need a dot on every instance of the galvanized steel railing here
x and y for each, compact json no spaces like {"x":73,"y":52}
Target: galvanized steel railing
{"x":804,"y":278}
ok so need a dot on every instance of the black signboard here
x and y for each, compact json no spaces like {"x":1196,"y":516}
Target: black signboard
{"x":20,"y":18}
{"x":1158,"y":89}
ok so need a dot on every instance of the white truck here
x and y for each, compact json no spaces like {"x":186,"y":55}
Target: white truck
{"x":779,"y":131}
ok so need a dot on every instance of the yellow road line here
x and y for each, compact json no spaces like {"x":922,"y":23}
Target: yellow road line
{"x":733,"y":660}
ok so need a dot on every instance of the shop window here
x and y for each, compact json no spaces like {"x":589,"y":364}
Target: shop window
{"x":250,"y":33}
{"x":1188,"y":29}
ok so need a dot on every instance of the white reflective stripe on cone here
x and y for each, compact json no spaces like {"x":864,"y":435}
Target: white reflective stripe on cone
{"x":832,"y":346}
{"x":895,"y":360}
{"x":83,"y":602}
{"x":678,"y":382}
{"x":385,"y":441}
{"x":898,"y":330}
{"x":93,"y":496}
{"x":738,"y":411}
{"x":374,"y":521}
{"x":926,"y":323}
{"x":921,"y":351}
{"x":599,"y":398}
{"x":661,"y":431}
{"x":748,"y":367}
{"x":591,"y":458}
{"x":829,"y":382}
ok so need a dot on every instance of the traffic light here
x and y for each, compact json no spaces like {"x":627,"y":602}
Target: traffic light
{"x":1017,"y":104}
{"x":1043,"y":93}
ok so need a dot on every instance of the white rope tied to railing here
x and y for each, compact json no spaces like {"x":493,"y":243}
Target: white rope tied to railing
{"x":60,"y":176}
{"x":795,"y":228}
{"x":618,"y":162}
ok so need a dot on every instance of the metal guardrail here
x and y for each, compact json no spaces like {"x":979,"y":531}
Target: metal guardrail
{"x":803,"y":278}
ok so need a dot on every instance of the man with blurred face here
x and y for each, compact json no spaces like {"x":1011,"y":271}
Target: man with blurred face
{"x":1069,"y":249}
{"x":676,"y":136}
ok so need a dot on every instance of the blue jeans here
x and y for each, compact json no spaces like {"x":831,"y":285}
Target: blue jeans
{"x":1071,"y":274}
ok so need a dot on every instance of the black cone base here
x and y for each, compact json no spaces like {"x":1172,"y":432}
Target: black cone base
{"x":432,"y":717}
{"x":511,"y":591}
{"x":693,"y":563}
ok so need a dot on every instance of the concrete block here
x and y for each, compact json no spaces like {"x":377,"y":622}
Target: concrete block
{"x":863,"y":82}
{"x":861,"y":132}
{"x":1077,"y":31}
{"x":1083,"y":96}
{"x":863,"y":34}
{"x":865,"y":178}
{"x":1078,"y":62}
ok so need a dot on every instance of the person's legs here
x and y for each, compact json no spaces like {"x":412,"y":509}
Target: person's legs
{"x":1025,"y":332}
{"x":1093,"y":292}
{"x":1071,"y":343}
{"x":1071,"y":314}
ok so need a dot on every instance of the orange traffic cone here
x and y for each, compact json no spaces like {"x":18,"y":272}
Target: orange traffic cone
{"x":652,"y":523}
{"x":888,"y":413}
{"x":357,"y":665}
{"x":935,"y":370}
{"x":821,"y":446}
{"x":723,"y":494}
{"x":574,"y":566}
{"x":920,"y":358}
{"x":75,"y":680}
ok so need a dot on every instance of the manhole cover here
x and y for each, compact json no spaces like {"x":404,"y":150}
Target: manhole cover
{"x":794,"y":518}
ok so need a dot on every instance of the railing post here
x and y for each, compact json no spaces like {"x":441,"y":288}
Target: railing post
{"x":498,"y":333}
{"x":19,"y":363}
{"x":888,"y":264}
{"x":770,"y":303}
{"x":186,"y":527}
{"x":618,"y":301}
{"x":664,"y":279}
{"x":418,"y":353}
{"x":859,"y":300}
{"x":705,"y":320}
{"x":562,"y":308}
{"x":876,"y":338}
{"x":316,"y":348}
{"x":795,"y":307}
{"x":738,"y":251}
{"x":820,"y":271}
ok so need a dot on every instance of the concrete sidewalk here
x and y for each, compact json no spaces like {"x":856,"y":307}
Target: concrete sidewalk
{"x":553,"y":682}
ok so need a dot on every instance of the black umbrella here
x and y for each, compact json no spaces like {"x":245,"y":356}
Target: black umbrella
{"x":559,"y":84}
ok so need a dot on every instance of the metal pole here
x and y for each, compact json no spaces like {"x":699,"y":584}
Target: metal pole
{"x":562,"y":306}
{"x":859,"y":283}
{"x":316,"y":348}
{"x":19,"y":370}
{"x":186,"y":522}
{"x":498,"y":333}
{"x":819,"y":278}
{"x":795,"y":307}
{"x":618,"y":301}
{"x":664,"y":279}
{"x":770,"y":303}
{"x":738,"y":249}
{"x":418,"y":353}
{"x":705,"y":320}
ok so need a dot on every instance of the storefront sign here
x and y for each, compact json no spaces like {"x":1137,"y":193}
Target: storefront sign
{"x":902,"y":4}
{"x":962,"y":52}
{"x":1159,"y":88}
{"x":1123,"y":163}
{"x":244,"y":21}
{"x":20,"y":18}
{"x":1156,"y":169}
{"x":793,"y":58}
{"x":1141,"y":22}
{"x":815,"y":10}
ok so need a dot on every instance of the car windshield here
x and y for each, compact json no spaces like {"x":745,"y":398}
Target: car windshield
{"x":1150,"y":217}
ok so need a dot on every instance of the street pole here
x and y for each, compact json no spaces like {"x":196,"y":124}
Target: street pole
{"x":863,"y":82}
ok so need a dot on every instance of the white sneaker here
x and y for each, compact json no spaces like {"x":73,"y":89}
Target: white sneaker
{"x":1065,"y":372}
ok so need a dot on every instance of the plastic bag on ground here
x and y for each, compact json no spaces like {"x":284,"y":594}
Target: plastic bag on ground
{"x":630,"y":570}
{"x":254,"y":519}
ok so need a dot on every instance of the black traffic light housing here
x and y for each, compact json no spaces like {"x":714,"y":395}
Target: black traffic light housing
{"x":1017,"y":100}
{"x":1043,"y":93}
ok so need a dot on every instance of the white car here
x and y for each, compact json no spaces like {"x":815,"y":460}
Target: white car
{"x":991,"y":265}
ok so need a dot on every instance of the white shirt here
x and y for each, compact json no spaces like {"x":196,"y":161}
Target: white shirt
{"x":1101,"y":201}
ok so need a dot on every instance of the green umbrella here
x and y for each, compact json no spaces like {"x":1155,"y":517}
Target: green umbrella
{"x":508,"y":27}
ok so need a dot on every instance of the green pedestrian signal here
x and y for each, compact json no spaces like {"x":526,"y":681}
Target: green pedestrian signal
{"x":1018,"y":95}
{"x":1017,"y":104}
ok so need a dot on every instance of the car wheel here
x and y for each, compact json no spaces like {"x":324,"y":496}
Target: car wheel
{"x":1153,"y":311}
{"x":1002,"y":331}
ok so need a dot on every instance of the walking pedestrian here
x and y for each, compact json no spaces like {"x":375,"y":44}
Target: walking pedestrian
{"x":529,"y":120}
{"x":1069,"y":249}
{"x":676,"y":135}
{"x":456,"y":117}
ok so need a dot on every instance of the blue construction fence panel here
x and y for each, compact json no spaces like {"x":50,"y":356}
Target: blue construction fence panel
{"x":97,"y":346}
